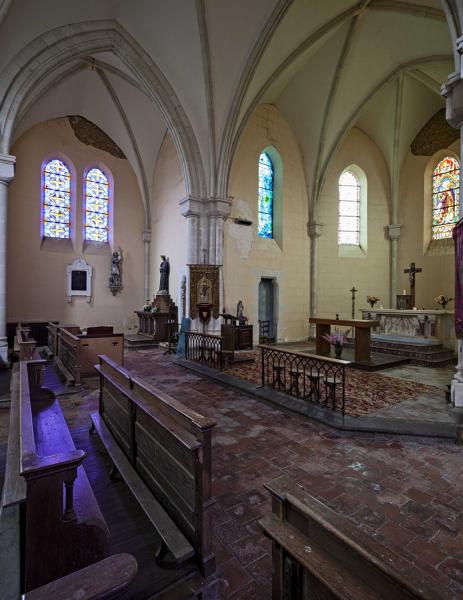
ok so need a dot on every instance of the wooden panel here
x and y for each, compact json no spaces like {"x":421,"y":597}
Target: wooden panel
{"x":91,"y":347}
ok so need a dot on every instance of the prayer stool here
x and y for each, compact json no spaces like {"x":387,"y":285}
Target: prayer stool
{"x":331,"y":384}
{"x":314,"y":387}
{"x":277,"y":370}
{"x":294,"y":375}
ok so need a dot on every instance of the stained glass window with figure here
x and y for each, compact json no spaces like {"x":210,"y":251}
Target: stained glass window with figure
{"x":265,"y":208}
{"x":56,"y":196}
{"x":349,"y":210}
{"x":445,"y":197}
{"x":96,"y":206}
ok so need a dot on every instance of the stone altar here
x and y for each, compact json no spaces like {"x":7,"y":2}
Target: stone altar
{"x":155,"y":324}
{"x":412,"y":326}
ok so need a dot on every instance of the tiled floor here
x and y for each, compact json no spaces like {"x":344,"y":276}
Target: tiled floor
{"x":406,"y":493}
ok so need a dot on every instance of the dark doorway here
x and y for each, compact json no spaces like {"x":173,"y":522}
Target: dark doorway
{"x":267,"y":309}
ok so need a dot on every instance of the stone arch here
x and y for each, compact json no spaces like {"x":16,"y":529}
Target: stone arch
{"x":53,"y":52}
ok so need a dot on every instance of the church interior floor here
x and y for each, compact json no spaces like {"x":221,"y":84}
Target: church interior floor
{"x":404,"y":492}
{"x":407,"y":392}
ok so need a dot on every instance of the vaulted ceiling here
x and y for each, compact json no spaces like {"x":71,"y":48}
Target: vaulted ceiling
{"x":328,"y":66}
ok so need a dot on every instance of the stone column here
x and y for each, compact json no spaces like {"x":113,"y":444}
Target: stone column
{"x":314,"y":230}
{"x":394,"y":234}
{"x":146,"y":237}
{"x":6,"y":176}
{"x":452,"y":91}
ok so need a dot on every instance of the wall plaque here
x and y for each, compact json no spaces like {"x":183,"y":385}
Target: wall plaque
{"x":79,"y":279}
{"x":204,"y":288}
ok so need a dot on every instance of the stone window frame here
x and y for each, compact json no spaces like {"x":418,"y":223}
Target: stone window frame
{"x":278,"y":179}
{"x":435,"y":247}
{"x":58,"y":244}
{"x":91,"y":246}
{"x":360,"y":250}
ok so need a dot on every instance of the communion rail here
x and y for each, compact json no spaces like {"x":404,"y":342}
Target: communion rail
{"x":204,"y":348}
{"x":309,"y":377}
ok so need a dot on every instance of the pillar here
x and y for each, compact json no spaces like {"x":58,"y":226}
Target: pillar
{"x":314,"y":231}
{"x":452,"y":91}
{"x":6,"y":176}
{"x":394,"y":234}
{"x":146,"y":237}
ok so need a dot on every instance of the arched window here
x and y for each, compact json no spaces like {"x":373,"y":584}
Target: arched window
{"x":56,"y":200}
{"x":445,"y":197}
{"x":265,"y":207}
{"x":349,"y":210}
{"x":96,"y":192}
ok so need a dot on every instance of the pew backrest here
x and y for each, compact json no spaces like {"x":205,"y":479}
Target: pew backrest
{"x":169,"y":446}
{"x":53,"y":329}
{"x":26,"y":344}
{"x":61,"y":534}
{"x":316,"y":549}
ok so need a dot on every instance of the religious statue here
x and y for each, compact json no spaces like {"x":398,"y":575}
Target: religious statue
{"x":164,"y":269}
{"x":115,"y":277}
{"x":240,"y":313}
{"x":204,"y":290}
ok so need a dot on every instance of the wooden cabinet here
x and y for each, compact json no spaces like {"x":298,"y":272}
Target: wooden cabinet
{"x":236,"y":337}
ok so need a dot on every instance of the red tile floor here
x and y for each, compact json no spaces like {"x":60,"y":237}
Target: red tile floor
{"x":407,"y":493}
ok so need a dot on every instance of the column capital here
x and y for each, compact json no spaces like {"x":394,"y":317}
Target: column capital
{"x":146,"y":235}
{"x":314,"y":230}
{"x":7,"y":162}
{"x":214,"y":206}
{"x":394,"y":231}
{"x":452,"y":91}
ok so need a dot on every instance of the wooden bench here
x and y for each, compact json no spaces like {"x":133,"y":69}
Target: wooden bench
{"x":317,"y":552}
{"x":52,"y":329}
{"x":46,"y":494}
{"x":162,"y":450}
{"x":77,"y":353}
{"x":100,"y":581}
{"x":25,"y":345}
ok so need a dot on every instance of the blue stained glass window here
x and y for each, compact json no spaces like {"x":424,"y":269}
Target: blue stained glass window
{"x":56,"y":197}
{"x":96,"y":206}
{"x":265,"y":208}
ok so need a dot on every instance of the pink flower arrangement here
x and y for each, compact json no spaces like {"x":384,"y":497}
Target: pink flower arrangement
{"x":337,"y":338}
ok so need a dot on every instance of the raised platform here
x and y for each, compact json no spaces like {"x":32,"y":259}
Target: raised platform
{"x":431,"y":354}
{"x":378,"y":360}
{"x":139,"y":342}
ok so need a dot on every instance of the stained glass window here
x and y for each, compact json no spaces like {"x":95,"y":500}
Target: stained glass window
{"x":349,"y":210}
{"x":96,"y":206}
{"x":56,"y":196}
{"x":445,"y":197}
{"x":265,"y":208}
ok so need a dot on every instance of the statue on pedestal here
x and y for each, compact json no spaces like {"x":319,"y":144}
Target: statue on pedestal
{"x":164,"y":269}
{"x":115,"y":276}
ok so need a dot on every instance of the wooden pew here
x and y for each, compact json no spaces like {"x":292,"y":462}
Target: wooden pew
{"x":25,"y":345}
{"x":162,"y":450}
{"x":321,"y":554}
{"x":64,"y":528}
{"x":53,"y":329}
{"x":100,"y":581}
{"x":78,"y":353}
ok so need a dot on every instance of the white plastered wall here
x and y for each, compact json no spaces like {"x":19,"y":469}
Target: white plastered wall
{"x":367,"y":271}
{"x":415,"y":205}
{"x":36,"y":275}
{"x":247,"y":257}
{"x":168,"y":225}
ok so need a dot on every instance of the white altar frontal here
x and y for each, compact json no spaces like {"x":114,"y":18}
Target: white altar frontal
{"x":423,"y":327}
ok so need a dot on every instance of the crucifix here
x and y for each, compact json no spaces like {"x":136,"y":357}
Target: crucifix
{"x":353,"y":290}
{"x":412,"y":270}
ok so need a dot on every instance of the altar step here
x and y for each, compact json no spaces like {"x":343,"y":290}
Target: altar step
{"x":139,"y":342}
{"x":428,"y":355}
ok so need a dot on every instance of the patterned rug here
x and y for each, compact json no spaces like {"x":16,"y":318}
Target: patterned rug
{"x":366,"y":393}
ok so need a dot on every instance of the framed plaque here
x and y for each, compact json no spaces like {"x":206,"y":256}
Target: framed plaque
{"x":79,"y":279}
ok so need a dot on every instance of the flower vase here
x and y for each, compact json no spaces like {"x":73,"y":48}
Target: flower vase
{"x":372,"y":304}
{"x":338,"y":350}
{"x":444,"y":305}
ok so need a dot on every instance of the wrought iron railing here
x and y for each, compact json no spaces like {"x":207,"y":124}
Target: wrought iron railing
{"x":316,"y":379}
{"x":204,"y":348}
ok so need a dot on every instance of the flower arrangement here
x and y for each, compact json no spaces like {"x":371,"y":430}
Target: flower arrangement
{"x":372,"y":300}
{"x":147,"y":308}
{"x":338,"y":338}
{"x":443,"y":300}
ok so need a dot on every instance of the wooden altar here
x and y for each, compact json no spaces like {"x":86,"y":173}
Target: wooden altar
{"x":362,"y":336}
{"x":157,"y":323}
